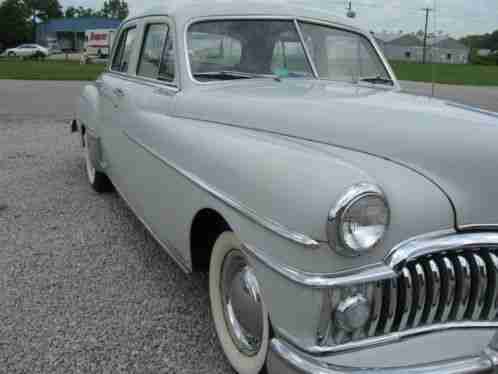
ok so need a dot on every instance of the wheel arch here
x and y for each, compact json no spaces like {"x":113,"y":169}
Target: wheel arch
{"x":206,"y":227}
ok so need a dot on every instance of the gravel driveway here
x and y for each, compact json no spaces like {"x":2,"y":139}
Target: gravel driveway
{"x":83,"y":287}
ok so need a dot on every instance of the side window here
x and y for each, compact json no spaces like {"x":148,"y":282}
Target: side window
{"x":167,"y":68}
{"x":150,"y":57}
{"x":121,"y":60}
{"x":288,"y":55}
{"x":209,"y":51}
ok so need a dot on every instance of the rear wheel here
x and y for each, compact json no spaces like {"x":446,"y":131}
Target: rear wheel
{"x":98,"y":180}
{"x":239,"y":312}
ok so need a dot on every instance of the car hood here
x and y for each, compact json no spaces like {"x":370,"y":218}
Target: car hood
{"x":452,"y":145}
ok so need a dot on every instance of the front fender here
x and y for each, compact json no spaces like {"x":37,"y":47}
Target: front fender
{"x":294,"y":183}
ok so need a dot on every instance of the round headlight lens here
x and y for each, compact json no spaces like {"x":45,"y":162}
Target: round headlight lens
{"x":363,"y":222}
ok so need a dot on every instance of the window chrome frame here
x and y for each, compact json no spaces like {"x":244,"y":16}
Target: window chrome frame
{"x":295,"y":20}
{"x":141,"y":23}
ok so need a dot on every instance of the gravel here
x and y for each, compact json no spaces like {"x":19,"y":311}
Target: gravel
{"x":83,"y":287}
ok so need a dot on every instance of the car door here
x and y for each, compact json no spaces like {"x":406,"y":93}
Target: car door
{"x":149,"y":94}
{"x":113,"y":104}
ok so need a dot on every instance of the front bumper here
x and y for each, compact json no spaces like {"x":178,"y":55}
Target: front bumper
{"x":285,"y":359}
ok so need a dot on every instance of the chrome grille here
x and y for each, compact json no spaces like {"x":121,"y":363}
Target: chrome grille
{"x":437,"y":288}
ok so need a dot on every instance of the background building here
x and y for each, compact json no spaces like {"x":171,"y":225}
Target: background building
{"x":69,"y":34}
{"x":410,"y":47}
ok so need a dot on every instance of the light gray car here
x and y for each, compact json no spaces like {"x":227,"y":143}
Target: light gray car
{"x":346,"y":227}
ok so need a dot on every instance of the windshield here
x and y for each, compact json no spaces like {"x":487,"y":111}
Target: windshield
{"x":237,"y":49}
{"x":243,"y":49}
{"x":342,"y":55}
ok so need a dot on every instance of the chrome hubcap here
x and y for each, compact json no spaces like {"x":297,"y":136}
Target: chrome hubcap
{"x":242,"y":307}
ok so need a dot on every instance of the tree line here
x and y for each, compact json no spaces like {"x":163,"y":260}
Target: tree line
{"x":18,"y":18}
{"x":487,"y":41}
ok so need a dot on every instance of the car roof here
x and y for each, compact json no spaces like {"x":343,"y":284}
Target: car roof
{"x":185,"y":10}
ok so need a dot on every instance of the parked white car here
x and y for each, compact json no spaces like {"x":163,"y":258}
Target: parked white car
{"x":346,"y":227}
{"x":27,"y":50}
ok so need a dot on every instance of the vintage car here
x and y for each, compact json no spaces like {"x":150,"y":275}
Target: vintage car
{"x":346,"y":226}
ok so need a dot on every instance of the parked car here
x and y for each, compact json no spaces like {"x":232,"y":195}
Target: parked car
{"x":27,"y":50}
{"x":346,"y":227}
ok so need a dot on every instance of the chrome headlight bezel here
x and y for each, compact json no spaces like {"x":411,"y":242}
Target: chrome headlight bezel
{"x":352,"y":196}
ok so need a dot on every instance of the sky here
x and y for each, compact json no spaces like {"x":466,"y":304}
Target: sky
{"x":455,"y":17}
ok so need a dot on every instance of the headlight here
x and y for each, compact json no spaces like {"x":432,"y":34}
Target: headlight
{"x":359,"y":220}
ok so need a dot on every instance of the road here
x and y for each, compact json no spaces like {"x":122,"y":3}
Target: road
{"x":84,"y":288}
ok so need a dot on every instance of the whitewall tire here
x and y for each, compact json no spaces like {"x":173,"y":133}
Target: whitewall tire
{"x":98,"y":180}
{"x":239,"y":313}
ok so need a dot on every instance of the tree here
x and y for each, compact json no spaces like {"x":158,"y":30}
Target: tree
{"x":73,"y":12}
{"x":115,"y":9}
{"x":14,"y":27}
{"x":44,"y":9}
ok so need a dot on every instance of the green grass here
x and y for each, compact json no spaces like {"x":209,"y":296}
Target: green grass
{"x":48,"y":70}
{"x":476,"y":75}
{"x":472,"y":75}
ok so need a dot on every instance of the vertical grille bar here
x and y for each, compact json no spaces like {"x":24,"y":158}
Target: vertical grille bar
{"x":464,"y":283}
{"x":479,"y":286}
{"x":492,"y":299}
{"x":375,"y":308}
{"x":407,"y":284}
{"x":448,"y":289}
{"x":392,"y":302}
{"x":420,"y":294}
{"x":433,"y":291}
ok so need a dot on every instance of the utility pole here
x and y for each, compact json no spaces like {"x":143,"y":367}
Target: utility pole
{"x":427,"y":11}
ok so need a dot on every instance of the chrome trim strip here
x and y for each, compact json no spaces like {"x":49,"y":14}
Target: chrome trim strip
{"x":147,"y":82}
{"x":472,"y":109}
{"x":170,"y":249}
{"x":322,"y":280}
{"x":383,"y":339}
{"x":283,"y":358}
{"x":438,"y":242}
{"x":311,"y":62}
{"x":265,"y":222}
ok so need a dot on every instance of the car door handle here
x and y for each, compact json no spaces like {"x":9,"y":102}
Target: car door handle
{"x":118,"y":92}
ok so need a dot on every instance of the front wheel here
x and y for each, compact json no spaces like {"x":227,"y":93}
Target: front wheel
{"x":11,"y":54}
{"x":99,"y":181}
{"x":239,"y":312}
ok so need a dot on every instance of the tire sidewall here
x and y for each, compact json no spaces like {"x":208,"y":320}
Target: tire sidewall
{"x":91,"y":171}
{"x":243,"y":364}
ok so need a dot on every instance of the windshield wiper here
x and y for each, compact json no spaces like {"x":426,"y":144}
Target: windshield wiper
{"x":230,"y":74}
{"x":377,"y":80}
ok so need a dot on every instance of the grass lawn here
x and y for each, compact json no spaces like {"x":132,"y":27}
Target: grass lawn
{"x":48,"y":70}
{"x":472,"y":75}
